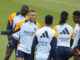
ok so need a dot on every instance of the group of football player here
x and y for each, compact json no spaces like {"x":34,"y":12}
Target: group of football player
{"x":33,"y":42}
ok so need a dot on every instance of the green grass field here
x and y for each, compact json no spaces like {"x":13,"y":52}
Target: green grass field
{"x":42,"y":7}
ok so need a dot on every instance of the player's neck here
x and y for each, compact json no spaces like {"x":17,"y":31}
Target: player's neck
{"x":47,"y":25}
{"x":30,"y":20}
{"x":23,"y":15}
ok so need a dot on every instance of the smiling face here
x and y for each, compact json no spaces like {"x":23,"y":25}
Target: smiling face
{"x":32,"y":16}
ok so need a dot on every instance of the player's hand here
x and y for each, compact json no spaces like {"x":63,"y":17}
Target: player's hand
{"x":72,"y":51}
{"x":11,"y":42}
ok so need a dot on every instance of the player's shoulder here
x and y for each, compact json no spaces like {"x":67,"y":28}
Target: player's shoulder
{"x":20,"y":23}
{"x":38,"y":24}
{"x":12,"y":17}
{"x":77,"y":25}
{"x":77,"y":28}
{"x":55,"y":27}
{"x":15,"y":18}
{"x":52,"y":32}
{"x":23,"y":23}
{"x":13,"y":14}
{"x":43,"y":29}
{"x":40,"y":31}
{"x":26,"y":17}
{"x":69,"y":26}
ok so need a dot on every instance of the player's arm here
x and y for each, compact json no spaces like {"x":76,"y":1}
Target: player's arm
{"x":8,"y":32}
{"x":9,"y":36}
{"x":72,"y":39}
{"x":54,"y":41}
{"x":53,"y":45}
{"x":35,"y":42}
{"x":10,"y":23}
{"x":55,"y":28}
{"x":39,"y":26}
{"x":8,"y":28}
{"x":13,"y":30}
{"x":55,"y":36}
{"x":76,"y":39}
{"x":78,"y":43}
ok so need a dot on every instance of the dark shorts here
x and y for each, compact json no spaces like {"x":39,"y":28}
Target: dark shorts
{"x":15,"y":43}
{"x":21,"y":54}
{"x":62,"y":53}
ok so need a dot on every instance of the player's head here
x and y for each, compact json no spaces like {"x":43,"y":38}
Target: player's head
{"x":63,"y":17}
{"x":48,"y":19}
{"x":32,"y":15}
{"x":76,"y":16}
{"x":24,"y":10}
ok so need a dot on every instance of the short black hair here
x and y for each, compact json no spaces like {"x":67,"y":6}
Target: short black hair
{"x":76,"y":13}
{"x":48,"y":19}
{"x":64,"y":14}
{"x":25,"y":6}
{"x":64,"y":17}
{"x":24,"y":10}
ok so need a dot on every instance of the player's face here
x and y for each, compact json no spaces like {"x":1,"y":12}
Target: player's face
{"x":76,"y":19}
{"x":32,"y":16}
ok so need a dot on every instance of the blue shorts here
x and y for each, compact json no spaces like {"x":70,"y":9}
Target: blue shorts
{"x":15,"y":43}
{"x":21,"y":54}
{"x":76,"y":51}
{"x":62,"y":53}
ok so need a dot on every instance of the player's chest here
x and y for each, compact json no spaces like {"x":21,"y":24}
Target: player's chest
{"x":30,"y":28}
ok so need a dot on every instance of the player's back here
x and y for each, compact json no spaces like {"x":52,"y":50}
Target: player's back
{"x":16,"y":20}
{"x":64,"y":35}
{"x":45,"y":36}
